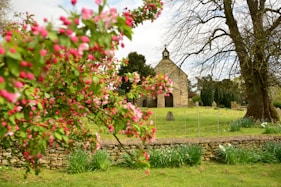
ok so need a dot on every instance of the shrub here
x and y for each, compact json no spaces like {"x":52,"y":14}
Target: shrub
{"x":270,"y":129}
{"x":196,"y":98}
{"x":191,"y":154}
{"x":78,"y":162}
{"x":232,"y":155}
{"x":246,"y":122}
{"x":268,"y":157}
{"x":100,"y":161}
{"x":277,"y":104}
{"x":134,"y":160}
{"x":234,"y":126}
{"x":274,"y":148}
{"x":176,"y":156}
{"x":159,"y":158}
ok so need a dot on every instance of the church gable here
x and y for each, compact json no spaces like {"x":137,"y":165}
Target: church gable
{"x":179,"y":95}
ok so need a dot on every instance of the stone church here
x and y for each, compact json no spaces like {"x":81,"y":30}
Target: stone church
{"x":179,"y":95}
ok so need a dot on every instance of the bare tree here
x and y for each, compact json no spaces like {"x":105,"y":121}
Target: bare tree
{"x":242,"y":36}
{"x":4,"y":8}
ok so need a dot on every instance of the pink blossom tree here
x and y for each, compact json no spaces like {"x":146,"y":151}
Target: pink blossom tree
{"x":52,"y":78}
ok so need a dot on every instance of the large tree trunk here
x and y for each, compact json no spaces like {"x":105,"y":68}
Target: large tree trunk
{"x":260,"y":107}
{"x":253,"y":62}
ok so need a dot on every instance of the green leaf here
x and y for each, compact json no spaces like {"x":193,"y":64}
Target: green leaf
{"x":2,"y":85}
{"x":2,"y":131}
{"x":2,"y":101}
{"x":80,"y":97}
{"x":22,"y":134}
{"x":53,"y":36}
{"x":76,"y":73}
{"x":58,"y":136}
{"x":13,"y":66}
{"x":15,"y":55}
{"x":95,"y":79}
{"x":39,"y":105}
{"x":12,"y":119}
{"x":47,"y":95}
{"x":65,"y":138}
{"x":19,"y":115}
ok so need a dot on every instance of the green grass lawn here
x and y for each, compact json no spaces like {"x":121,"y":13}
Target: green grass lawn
{"x":194,"y":122}
{"x":208,"y":174}
{"x":189,"y":122}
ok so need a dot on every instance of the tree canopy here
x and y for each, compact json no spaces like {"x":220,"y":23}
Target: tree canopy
{"x":240,"y":36}
{"x":51,"y":78}
{"x":136,"y":63}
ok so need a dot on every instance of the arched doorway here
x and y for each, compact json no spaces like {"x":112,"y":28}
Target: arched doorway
{"x":169,"y":100}
{"x":144,"y":103}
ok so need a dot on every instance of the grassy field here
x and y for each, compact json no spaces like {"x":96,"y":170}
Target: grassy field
{"x":195,"y":122}
{"x":206,"y":175}
{"x":189,"y":122}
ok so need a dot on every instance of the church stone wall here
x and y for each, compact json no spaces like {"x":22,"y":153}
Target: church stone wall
{"x":179,"y":95}
{"x":180,"y":84}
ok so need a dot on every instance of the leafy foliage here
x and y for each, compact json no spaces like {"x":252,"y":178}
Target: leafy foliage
{"x":222,"y":92}
{"x":78,"y":162}
{"x":177,"y":156}
{"x":270,"y":153}
{"x":136,"y":159}
{"x":135,"y":63}
{"x":234,"y":126}
{"x":272,"y":129}
{"x":100,"y":161}
{"x":51,"y":77}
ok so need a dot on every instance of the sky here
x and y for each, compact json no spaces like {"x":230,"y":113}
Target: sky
{"x":148,"y":39}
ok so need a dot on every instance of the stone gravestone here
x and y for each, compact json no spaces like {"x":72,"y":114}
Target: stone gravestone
{"x":214,"y":104}
{"x":170,"y":116}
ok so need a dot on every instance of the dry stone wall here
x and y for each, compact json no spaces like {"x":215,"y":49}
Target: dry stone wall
{"x":57,"y":158}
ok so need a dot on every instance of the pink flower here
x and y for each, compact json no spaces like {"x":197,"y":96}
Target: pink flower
{"x":17,"y":128}
{"x":1,"y":79}
{"x":2,"y":51}
{"x":8,"y":38}
{"x":43,"y":52}
{"x":91,"y":57}
{"x":12,"y":50}
{"x":115,"y":38}
{"x":73,"y":2}
{"x":30,"y":76}
{"x":22,"y":74}
{"x":85,"y":39}
{"x":83,"y":47}
{"x":87,"y":13}
{"x":111,"y":128}
{"x":4,"y":124}
{"x":69,"y":32}
{"x":23,"y":63}
{"x":98,"y":2}
{"x":11,"y":97}
{"x":18,"y":84}
{"x":39,"y":155}
{"x":57,"y":48}
{"x":3,"y":93}
{"x":76,"y":21}
{"x":74,"y":39}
